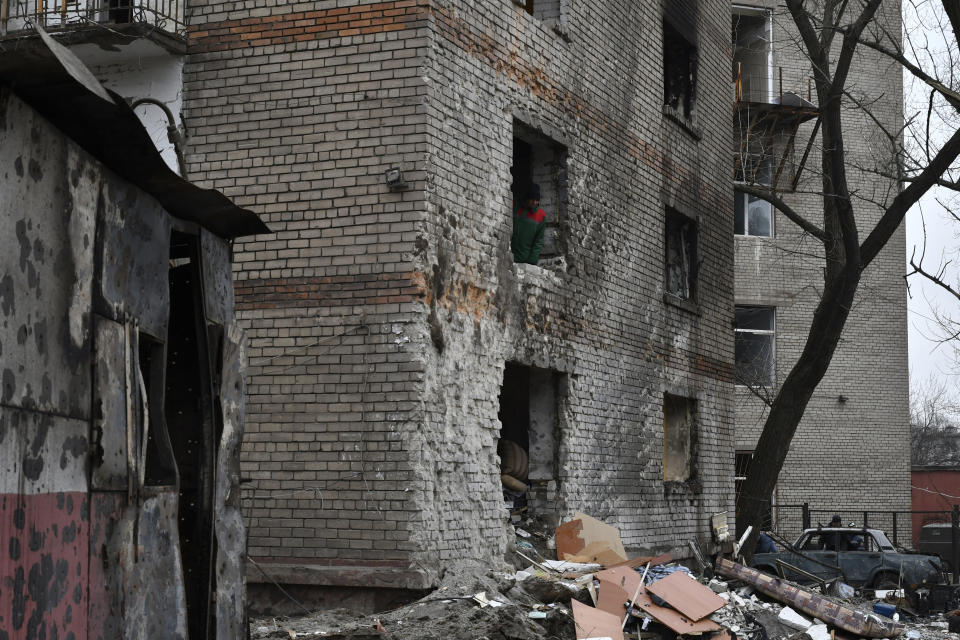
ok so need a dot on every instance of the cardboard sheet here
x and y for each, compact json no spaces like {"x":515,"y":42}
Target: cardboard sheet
{"x":674,"y":619}
{"x":624,"y":577}
{"x":613,"y":599}
{"x":686,"y":595}
{"x":586,"y":539}
{"x":594,"y":623}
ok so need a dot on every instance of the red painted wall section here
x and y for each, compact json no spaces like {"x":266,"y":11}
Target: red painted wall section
{"x":43,"y":586}
{"x":935,"y":490}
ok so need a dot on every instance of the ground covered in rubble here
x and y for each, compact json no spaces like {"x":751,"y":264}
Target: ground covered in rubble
{"x":536,"y":605}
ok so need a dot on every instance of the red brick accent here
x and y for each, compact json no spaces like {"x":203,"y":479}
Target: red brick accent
{"x":305,"y":25}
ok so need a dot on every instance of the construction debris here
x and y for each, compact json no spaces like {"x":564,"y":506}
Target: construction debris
{"x":641,"y":598}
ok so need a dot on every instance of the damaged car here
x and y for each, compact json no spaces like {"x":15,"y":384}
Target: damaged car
{"x":860,"y":557}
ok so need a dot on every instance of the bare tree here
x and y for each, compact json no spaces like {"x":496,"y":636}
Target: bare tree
{"x":934,"y":424}
{"x":832,"y":32}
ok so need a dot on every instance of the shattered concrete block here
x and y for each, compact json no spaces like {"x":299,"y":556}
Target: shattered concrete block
{"x":794,"y":620}
{"x":818,"y":632}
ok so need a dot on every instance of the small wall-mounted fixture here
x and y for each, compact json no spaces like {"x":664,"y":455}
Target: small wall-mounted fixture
{"x":394,"y":178}
{"x":842,"y":398}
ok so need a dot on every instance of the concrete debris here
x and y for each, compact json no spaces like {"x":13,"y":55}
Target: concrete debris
{"x":794,"y":620}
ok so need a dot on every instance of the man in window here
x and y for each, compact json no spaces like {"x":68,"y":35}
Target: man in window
{"x":529,"y":224}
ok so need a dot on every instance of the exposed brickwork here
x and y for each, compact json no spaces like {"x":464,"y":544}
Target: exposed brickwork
{"x":379,"y":322}
{"x":853,"y":455}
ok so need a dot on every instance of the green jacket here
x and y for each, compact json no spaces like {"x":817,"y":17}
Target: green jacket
{"x":527,"y":239}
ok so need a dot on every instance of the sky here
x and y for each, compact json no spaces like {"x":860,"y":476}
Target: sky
{"x":930,"y":229}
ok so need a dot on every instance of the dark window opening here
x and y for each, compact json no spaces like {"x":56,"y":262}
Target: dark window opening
{"x":741,"y":467}
{"x":681,"y":260}
{"x":753,"y":216}
{"x":121,"y":11}
{"x":752,"y":70}
{"x":192,"y":424}
{"x":755,"y":336}
{"x":541,"y":161}
{"x":542,"y":9}
{"x":529,"y":431}
{"x":679,"y":416}
{"x":679,"y":70}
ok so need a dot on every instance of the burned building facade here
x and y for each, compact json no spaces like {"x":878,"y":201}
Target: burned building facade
{"x":851,"y":451}
{"x":395,"y":346}
{"x":121,"y":401}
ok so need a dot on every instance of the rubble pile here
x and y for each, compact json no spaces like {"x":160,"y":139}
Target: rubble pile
{"x":595,"y":591}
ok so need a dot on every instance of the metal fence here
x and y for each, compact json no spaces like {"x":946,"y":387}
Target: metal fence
{"x":20,"y":15}
{"x":763,"y":83}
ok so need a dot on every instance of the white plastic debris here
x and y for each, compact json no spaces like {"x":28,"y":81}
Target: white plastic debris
{"x":522,"y":533}
{"x":520,"y":576}
{"x":575,"y":567}
{"x":818,"y":632}
{"x":794,"y":620}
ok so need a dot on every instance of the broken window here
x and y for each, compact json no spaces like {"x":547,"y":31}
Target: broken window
{"x":528,"y":435}
{"x":681,"y":255}
{"x":679,"y":414}
{"x":679,"y":68}
{"x":538,"y":160}
{"x":752,"y":54}
{"x":542,"y":9}
{"x":755,"y":334}
{"x":741,"y":467}
{"x":753,"y":216}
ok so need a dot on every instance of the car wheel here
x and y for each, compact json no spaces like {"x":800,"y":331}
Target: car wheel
{"x":886,"y":581}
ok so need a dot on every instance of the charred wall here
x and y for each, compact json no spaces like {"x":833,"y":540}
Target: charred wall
{"x":95,"y":548}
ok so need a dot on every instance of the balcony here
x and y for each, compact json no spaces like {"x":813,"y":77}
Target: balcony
{"x":767,"y":119}
{"x":160,"y":19}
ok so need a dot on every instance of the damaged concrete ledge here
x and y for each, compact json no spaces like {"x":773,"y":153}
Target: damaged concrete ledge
{"x":380,"y":577}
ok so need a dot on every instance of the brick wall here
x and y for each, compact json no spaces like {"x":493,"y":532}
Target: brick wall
{"x":380,"y":321}
{"x":852,"y":455}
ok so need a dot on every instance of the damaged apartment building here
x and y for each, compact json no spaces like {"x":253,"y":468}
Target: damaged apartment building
{"x":121,"y":366}
{"x":851,"y":452}
{"x":395,"y":347}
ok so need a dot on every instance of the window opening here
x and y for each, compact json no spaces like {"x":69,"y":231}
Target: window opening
{"x":121,"y":11}
{"x":529,"y":409}
{"x":539,"y":168}
{"x":681,"y":259}
{"x":752,"y":54}
{"x":190,"y":418}
{"x":755,"y":335}
{"x":678,"y":423}
{"x":542,"y":9}
{"x":741,"y":467}
{"x":679,"y":70}
{"x":753,"y":216}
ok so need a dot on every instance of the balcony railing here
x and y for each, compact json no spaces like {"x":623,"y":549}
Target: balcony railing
{"x":20,"y":15}
{"x":765,"y":84}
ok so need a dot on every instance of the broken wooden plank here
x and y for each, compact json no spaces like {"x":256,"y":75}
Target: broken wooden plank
{"x":686,"y":595}
{"x":612,"y":599}
{"x":852,"y":620}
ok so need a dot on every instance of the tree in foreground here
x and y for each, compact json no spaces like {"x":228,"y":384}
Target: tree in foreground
{"x":832,"y":33}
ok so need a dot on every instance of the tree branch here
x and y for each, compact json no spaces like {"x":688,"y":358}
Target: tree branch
{"x":952,"y":96}
{"x":936,"y":279}
{"x":919,"y":185}
{"x":784,"y":208}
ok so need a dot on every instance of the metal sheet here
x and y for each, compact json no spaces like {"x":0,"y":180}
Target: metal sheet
{"x":133,"y":253}
{"x":109,"y":450}
{"x":41,"y":453}
{"x":128,"y":150}
{"x":228,"y":522}
{"x":47,"y":216}
{"x":217,"y":278}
